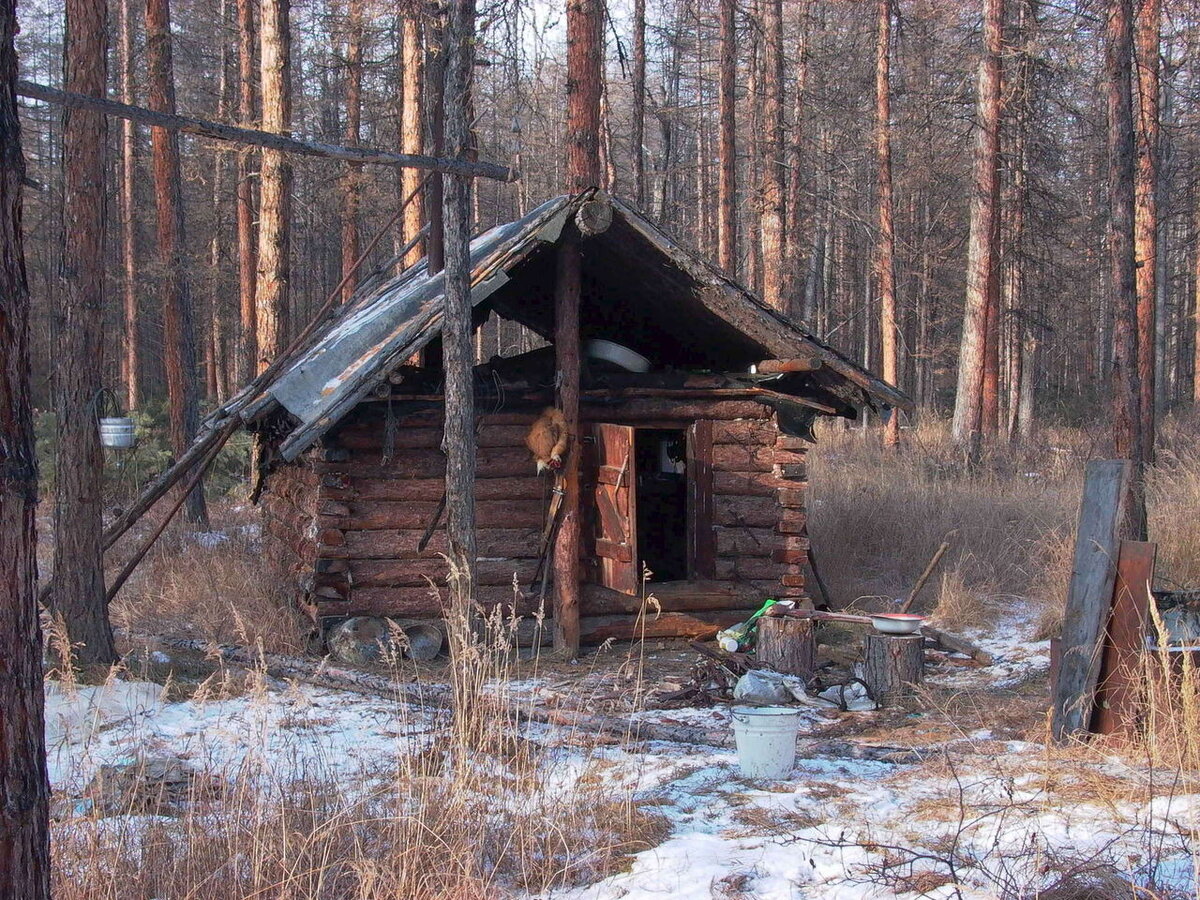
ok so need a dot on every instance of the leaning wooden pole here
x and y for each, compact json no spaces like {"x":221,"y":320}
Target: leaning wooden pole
{"x":248,"y":136}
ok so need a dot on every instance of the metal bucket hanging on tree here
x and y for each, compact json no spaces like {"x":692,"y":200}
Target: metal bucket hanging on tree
{"x":116,"y":432}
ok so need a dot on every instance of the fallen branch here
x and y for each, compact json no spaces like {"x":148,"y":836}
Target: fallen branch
{"x":937,"y":557}
{"x":253,"y":137}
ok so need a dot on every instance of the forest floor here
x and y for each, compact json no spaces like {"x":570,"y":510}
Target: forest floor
{"x":185,"y":775}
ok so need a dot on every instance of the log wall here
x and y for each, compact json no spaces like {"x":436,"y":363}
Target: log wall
{"x":347,"y":522}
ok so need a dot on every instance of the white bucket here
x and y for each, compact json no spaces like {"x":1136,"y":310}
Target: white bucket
{"x":766,"y":740}
{"x":117,"y":432}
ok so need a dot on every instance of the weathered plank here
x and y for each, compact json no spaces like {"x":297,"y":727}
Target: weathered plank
{"x":419,"y":572}
{"x":1118,"y":706}
{"x":746,"y":541}
{"x":757,"y":512}
{"x":743,"y":458}
{"x":699,"y":625}
{"x":754,"y":432}
{"x":755,"y":484}
{"x":521,"y":488}
{"x":1089,"y":598}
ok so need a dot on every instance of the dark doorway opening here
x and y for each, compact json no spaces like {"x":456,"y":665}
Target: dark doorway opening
{"x":661,"y":499}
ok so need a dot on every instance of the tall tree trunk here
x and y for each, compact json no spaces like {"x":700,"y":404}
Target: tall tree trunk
{"x":726,"y":144}
{"x":246,"y":238}
{"x":459,"y":441}
{"x":886,"y":249}
{"x":24,"y":787}
{"x":796,"y":285}
{"x":585,"y":20}
{"x":412,"y":130}
{"x":638,"y":87}
{"x":179,"y":338}
{"x":1125,"y":385}
{"x":1196,"y":312}
{"x":352,"y":180}
{"x":214,"y":357}
{"x":275,"y":183}
{"x":1146,"y":192}
{"x":981,"y":248}
{"x":131,"y":363}
{"x":771,"y":223}
{"x":78,"y":596}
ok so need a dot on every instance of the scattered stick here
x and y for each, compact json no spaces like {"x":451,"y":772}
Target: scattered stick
{"x":937,"y":557}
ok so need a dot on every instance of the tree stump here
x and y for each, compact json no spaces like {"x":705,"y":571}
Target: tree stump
{"x":893,"y":665}
{"x":787,"y":645}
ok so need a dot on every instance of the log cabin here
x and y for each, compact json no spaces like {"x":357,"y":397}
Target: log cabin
{"x":697,"y":404}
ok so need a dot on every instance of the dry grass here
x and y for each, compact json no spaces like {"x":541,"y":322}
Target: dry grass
{"x":876,"y":518}
{"x":482,"y":808}
{"x":212,"y":587}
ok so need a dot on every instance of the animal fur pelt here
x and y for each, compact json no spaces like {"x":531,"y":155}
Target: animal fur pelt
{"x":548,"y":439}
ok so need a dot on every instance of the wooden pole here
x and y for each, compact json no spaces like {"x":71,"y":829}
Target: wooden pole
{"x":249,"y":136}
{"x":566,"y":547}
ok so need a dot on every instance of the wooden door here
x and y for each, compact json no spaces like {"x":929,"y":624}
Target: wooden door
{"x":610,"y":480}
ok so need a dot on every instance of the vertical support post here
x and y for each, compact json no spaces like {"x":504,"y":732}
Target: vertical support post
{"x":567,"y":291}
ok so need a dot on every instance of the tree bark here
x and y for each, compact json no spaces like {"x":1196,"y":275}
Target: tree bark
{"x":1125,"y":384}
{"x":412,"y":138}
{"x":131,"y":364}
{"x":893,"y":665}
{"x":457,"y":352}
{"x":78,"y":596}
{"x":24,"y":787}
{"x":275,"y":183}
{"x":771,"y":223}
{"x":787,"y":645}
{"x":638,"y":139}
{"x":797,"y":286}
{"x":352,"y":180}
{"x":886,"y":248}
{"x":246,"y":237}
{"x":585,"y":20}
{"x":727,"y":146}
{"x":981,"y":249}
{"x":179,"y":340}
{"x":1146,"y":191}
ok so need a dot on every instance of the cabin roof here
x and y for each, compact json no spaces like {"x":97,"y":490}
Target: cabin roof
{"x":640,"y":289}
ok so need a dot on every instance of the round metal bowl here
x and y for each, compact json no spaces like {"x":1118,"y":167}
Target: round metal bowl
{"x":627,"y":359}
{"x":897,"y":623}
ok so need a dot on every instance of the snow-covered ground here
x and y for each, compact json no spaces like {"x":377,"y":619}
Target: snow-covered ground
{"x":979,"y":817}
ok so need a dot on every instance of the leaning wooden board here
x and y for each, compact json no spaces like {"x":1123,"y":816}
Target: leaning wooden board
{"x":1089,"y":598}
{"x":1118,"y":706}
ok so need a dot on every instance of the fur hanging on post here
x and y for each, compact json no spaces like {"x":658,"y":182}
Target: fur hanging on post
{"x":548,"y":439}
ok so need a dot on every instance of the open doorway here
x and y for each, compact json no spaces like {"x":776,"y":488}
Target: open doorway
{"x":662,"y":502}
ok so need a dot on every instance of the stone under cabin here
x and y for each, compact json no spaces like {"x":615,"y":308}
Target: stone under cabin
{"x":697,"y":404}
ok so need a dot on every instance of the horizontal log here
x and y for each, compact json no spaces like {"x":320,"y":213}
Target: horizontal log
{"x":363,"y":436}
{"x":375,"y":515}
{"x":490,"y":462}
{"x":672,"y":597}
{"x":792,"y":498}
{"x":414,"y":602}
{"x":761,"y":512}
{"x":798,"y":557}
{"x":649,"y":409}
{"x":697,"y":626}
{"x":793,"y":526}
{"x":789,"y":457}
{"x":393,"y":544}
{"x":794,"y":471}
{"x":784,"y":366}
{"x":746,"y":541}
{"x":524,"y":488}
{"x":793,"y":581}
{"x":755,"y":432}
{"x":752,"y":568}
{"x":742,"y":458}
{"x":418,"y":572}
{"x":791,"y":442}
{"x":756,"y":484}
{"x":252,"y":137}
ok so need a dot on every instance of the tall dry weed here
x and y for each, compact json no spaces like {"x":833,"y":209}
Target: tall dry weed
{"x":877,"y":517}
